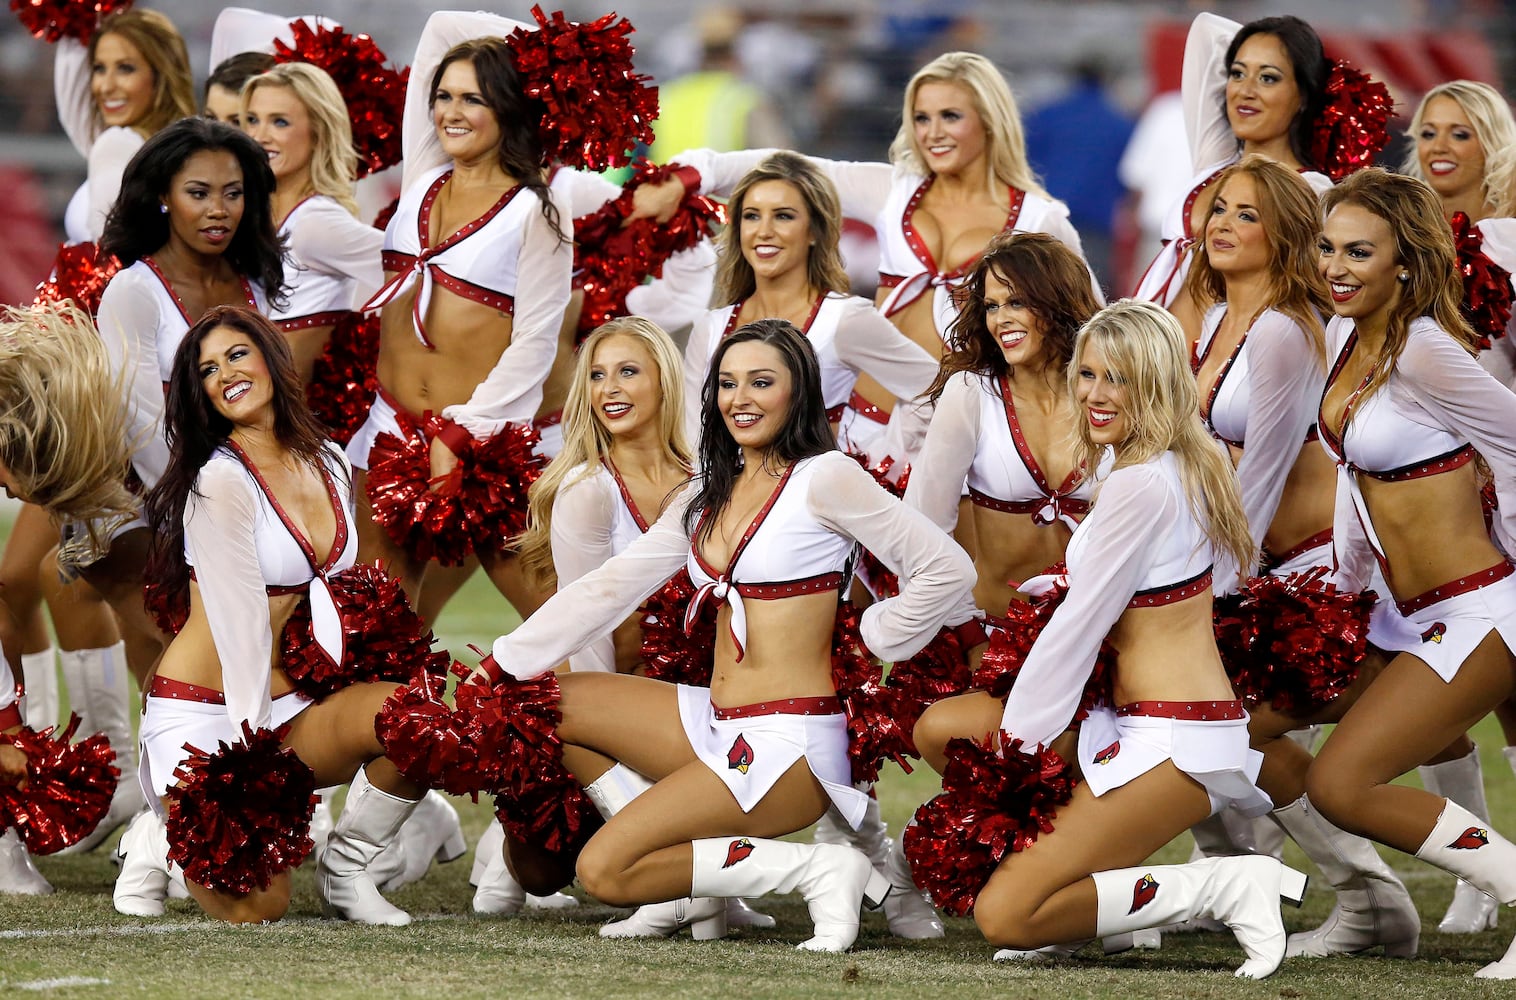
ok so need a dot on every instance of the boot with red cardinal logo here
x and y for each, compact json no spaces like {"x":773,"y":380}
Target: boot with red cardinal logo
{"x":1469,"y":847}
{"x":1462,"y":781}
{"x":1242,"y":892}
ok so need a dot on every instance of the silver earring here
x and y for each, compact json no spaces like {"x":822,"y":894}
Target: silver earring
{"x":162,"y":209}
{"x":1404,"y":276}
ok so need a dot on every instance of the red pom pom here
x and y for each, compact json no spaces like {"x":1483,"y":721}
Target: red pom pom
{"x":940,"y":670}
{"x":1353,"y":124}
{"x":437,"y":746}
{"x":79,"y":273}
{"x":1012,"y":641}
{"x":241,"y":815}
{"x":990,"y":806}
{"x":595,"y":106}
{"x":1295,"y":642}
{"x":874,"y":733}
{"x":343,"y":383}
{"x":373,"y":92}
{"x":668,"y":652}
{"x":383,"y":639}
{"x":1486,"y":285}
{"x":51,"y":20}
{"x":611,"y":260}
{"x":68,"y":787}
{"x":169,"y":609}
{"x":480,"y":506}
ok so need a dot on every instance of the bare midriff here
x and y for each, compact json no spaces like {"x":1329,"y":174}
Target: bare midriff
{"x":468,"y":339}
{"x":191,"y":656}
{"x":1168,"y":653}
{"x":788,"y":653}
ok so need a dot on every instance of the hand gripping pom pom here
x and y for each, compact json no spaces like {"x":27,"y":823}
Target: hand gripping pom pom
{"x":990,"y":806}
{"x":79,"y":273}
{"x":344,"y":381}
{"x":874,"y":733}
{"x":51,"y":20}
{"x":1353,"y":124}
{"x":373,"y":92}
{"x":67,"y":791}
{"x":1486,"y":285}
{"x":595,"y":108}
{"x":241,"y":815}
{"x":437,"y":746}
{"x":382,"y":638}
{"x":668,"y":652}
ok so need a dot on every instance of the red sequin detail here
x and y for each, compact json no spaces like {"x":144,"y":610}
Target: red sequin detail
{"x":68,"y":787}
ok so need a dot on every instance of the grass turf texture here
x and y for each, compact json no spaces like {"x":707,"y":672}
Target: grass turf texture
{"x":73,"y":944}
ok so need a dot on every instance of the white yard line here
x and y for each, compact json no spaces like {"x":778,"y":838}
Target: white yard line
{"x":134,"y":930}
{"x":38,"y":985}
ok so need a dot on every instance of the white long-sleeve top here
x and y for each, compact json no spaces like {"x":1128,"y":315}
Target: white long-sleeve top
{"x":936,"y":576}
{"x":334,"y":262}
{"x":107,"y":150}
{"x":242,"y":29}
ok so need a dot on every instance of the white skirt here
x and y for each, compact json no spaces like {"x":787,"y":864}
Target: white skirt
{"x":1442,"y":635}
{"x":169,"y":725}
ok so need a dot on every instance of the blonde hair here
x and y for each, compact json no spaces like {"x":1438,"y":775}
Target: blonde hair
{"x":1291,"y":224}
{"x":334,"y":160}
{"x":1145,"y":347}
{"x":587,"y":442}
{"x":1424,"y":249}
{"x":1005,"y":139}
{"x":1495,"y":128}
{"x":160,"y":43}
{"x":62,"y":414}
{"x":825,"y":271}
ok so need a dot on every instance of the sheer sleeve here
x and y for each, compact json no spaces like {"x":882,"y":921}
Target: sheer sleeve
{"x":128,"y":322}
{"x":583,"y":513}
{"x":938,"y":473}
{"x":219,"y":524}
{"x":76,"y":108}
{"x":1203,"y":89}
{"x":1284,"y":383}
{"x":443,"y":30}
{"x":328,"y":238}
{"x":861,"y":187}
{"x":241,"y":29}
{"x":697,"y":362}
{"x":1469,"y":401}
{"x":593,"y":606}
{"x":582,"y":192}
{"x":1134,"y":507}
{"x":108,"y":157}
{"x":936,"y":576}
{"x":683,"y":292}
{"x":513,"y":388}
{"x":868,"y":343}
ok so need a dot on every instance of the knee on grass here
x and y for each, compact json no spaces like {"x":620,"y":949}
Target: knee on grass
{"x":264,"y":907}
{"x":1008,"y":927}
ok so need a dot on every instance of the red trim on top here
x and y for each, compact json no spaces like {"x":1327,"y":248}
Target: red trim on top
{"x":626,"y":494}
{"x":731,"y":321}
{"x":1070,"y":482}
{"x":1209,"y":402}
{"x":790,"y":588}
{"x":1462,"y":585}
{"x":339,"y":539}
{"x":861,"y":406}
{"x":309,"y":322}
{"x":918,"y":245}
{"x":1322,"y":537}
{"x":747,"y":536}
{"x":1193,"y":196}
{"x":824,"y":705}
{"x":1158,"y":596}
{"x":1447,"y":462}
{"x":247,"y":291}
{"x":1185,"y":242}
{"x":1060,"y":503}
{"x":1332,"y":440}
{"x":293,"y":209}
{"x":1189,"y":711}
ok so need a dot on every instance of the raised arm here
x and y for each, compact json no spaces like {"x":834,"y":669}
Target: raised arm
{"x":76,"y":108}
{"x":697,"y":362}
{"x":112,"y":151}
{"x":1203,"y":90}
{"x":942,"y":465}
{"x":861,"y":187}
{"x":241,"y":29}
{"x":583,"y":512}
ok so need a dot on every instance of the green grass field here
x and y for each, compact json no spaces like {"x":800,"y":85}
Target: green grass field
{"x":73,"y":944}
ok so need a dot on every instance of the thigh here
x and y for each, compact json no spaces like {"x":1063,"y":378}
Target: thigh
{"x":975,"y":715}
{"x":1266,"y":722}
{"x":442,"y":582}
{"x":336,"y":735}
{"x":32,"y":535}
{"x":634,"y":720}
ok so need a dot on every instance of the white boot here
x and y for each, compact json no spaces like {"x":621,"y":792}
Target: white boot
{"x":99,"y":689}
{"x":39,"y":671}
{"x":491,"y":842}
{"x":497,"y":893}
{"x":908,"y":909}
{"x":1470,"y":848}
{"x":739,"y":914}
{"x":432,"y":832}
{"x":1243,"y":892}
{"x":18,"y":876}
{"x":1050,"y":953}
{"x":370,"y":819}
{"x":147,"y":876}
{"x":1462,"y":781}
{"x":706,"y":919}
{"x":834,"y":880}
{"x":321,"y":820}
{"x":1373,"y":908}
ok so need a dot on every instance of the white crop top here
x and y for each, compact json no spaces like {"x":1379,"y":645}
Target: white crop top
{"x":142,"y":321}
{"x":1140,"y":547}
{"x":333,"y":264}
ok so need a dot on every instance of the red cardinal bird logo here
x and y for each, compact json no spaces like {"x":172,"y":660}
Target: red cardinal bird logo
{"x":1471,"y":839}
{"x":1143,"y":893}
{"x":737,"y":850}
{"x":1109,"y":753}
{"x":1435,"y":633}
{"x":740,"y":756}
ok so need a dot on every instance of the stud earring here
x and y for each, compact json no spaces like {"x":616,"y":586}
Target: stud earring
{"x":1404,"y":276}
{"x":162,"y":209}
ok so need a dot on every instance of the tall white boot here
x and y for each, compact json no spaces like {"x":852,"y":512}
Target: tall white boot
{"x":496,"y":891}
{"x":1373,"y":908}
{"x":321,"y":819}
{"x":18,"y":876}
{"x":1462,"y":781}
{"x":147,"y":877}
{"x":1470,"y":848}
{"x":431,"y":833}
{"x":907,"y":909}
{"x":39,"y":671}
{"x":834,"y":880}
{"x":99,"y":689}
{"x":370,"y":819}
{"x":1242,"y":892}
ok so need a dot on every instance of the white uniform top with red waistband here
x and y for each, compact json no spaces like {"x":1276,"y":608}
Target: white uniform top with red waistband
{"x":332,"y":266}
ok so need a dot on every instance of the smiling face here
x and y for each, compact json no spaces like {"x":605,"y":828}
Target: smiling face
{"x":1262,"y":97}
{"x":466,"y":127}
{"x":1451,"y":155}
{"x":950,"y":135}
{"x":1235,"y":240}
{"x":775,"y":229}
{"x":236,"y":378}
{"x":1013,"y":324}
{"x":121,"y":81}
{"x":754,"y":390}
{"x":280,"y":123}
{"x":1102,"y":396}
{"x":624,"y":386}
{"x":1358,"y":260}
{"x":205,"y":202}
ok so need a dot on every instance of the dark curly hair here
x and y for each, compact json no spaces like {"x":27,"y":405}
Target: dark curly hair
{"x":1308,"y":60}
{"x":137,"y":225}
